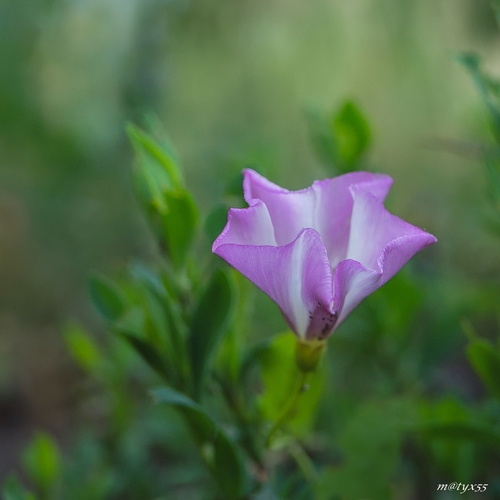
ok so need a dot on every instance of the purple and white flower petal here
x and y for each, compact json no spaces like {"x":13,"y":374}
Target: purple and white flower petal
{"x":320,"y":251}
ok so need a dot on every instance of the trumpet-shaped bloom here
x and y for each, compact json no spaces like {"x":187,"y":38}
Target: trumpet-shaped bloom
{"x":320,"y":251}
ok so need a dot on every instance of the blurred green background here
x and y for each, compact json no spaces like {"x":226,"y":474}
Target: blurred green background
{"x":233,"y":83}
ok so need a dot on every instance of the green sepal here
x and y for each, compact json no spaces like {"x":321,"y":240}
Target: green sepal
{"x":308,"y":354}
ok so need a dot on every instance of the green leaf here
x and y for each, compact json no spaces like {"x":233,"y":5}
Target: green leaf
{"x":107,"y":298}
{"x":496,"y":8}
{"x":202,"y":425}
{"x":485,"y":86}
{"x":322,"y":139}
{"x":179,"y":224}
{"x":157,"y":163}
{"x":220,"y":453}
{"x":485,"y":360}
{"x":467,"y":430}
{"x":148,"y":353}
{"x":160,"y":187}
{"x":351,"y":132}
{"x":370,"y":444}
{"x":341,"y":139}
{"x":493,"y":175}
{"x":451,"y":453}
{"x":13,"y":490}
{"x":82,"y":348}
{"x":228,"y":466}
{"x":211,"y":319}
{"x":279,"y":376}
{"x":42,"y":462}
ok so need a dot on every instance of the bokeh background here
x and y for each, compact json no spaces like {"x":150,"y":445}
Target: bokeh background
{"x":233,"y":83}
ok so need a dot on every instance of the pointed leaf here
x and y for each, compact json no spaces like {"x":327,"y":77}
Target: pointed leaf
{"x":223,"y":457}
{"x":179,"y":224}
{"x":83,"y":348}
{"x":351,"y":132}
{"x":13,"y":490}
{"x":107,"y":298}
{"x":42,"y":461}
{"x":472,"y":63}
{"x":157,"y":163}
{"x":468,"y":430}
{"x":201,"y":424}
{"x":485,"y":360}
{"x":228,"y":466}
{"x":210,"y":321}
{"x":148,"y":353}
{"x":323,"y":140}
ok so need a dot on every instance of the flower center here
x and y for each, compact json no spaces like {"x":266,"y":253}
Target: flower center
{"x":321,"y":323}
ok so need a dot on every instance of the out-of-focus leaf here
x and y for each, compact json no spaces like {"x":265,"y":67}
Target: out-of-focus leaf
{"x":219,"y":451}
{"x":234,"y":186}
{"x":468,"y":430}
{"x":496,"y":7}
{"x":228,"y":466}
{"x":202,"y":425}
{"x":396,"y":304}
{"x":472,"y":63}
{"x":279,"y":376}
{"x":82,"y":348}
{"x":215,"y":221}
{"x":179,"y":223}
{"x":107,"y":298}
{"x":42,"y":462}
{"x":13,"y":490}
{"x":210,"y":321}
{"x":341,"y":139}
{"x":454,"y":456}
{"x":89,"y":475}
{"x":160,"y":187}
{"x":322,"y":139}
{"x":485,"y":360}
{"x":370,"y":444}
{"x":493,"y":175}
{"x":148,"y":353}
{"x":351,"y":132}
{"x":267,"y":493}
{"x":163,"y":334}
{"x":159,"y":168}
{"x":157,"y":287}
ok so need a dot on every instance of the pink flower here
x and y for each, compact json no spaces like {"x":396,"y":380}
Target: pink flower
{"x":320,"y":251}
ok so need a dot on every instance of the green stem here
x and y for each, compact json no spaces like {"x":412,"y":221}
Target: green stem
{"x":290,"y":406}
{"x":305,"y":464}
